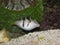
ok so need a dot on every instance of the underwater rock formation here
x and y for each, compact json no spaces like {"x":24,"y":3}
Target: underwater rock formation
{"x":4,"y":37}
{"x":18,"y":4}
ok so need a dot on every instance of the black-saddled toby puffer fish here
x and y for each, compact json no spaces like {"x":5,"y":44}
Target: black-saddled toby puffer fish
{"x":27,"y":24}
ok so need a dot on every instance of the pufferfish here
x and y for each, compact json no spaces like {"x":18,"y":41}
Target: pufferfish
{"x":27,"y":24}
{"x":18,"y":4}
{"x":4,"y":37}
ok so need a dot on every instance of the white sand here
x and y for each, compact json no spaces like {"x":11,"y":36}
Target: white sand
{"x":49,"y":37}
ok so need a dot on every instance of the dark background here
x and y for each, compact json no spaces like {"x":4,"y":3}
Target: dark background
{"x":51,"y":16}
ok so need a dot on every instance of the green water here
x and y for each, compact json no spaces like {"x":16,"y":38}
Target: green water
{"x":8,"y":17}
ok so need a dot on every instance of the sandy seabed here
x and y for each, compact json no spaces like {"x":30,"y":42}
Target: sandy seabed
{"x":49,"y":37}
